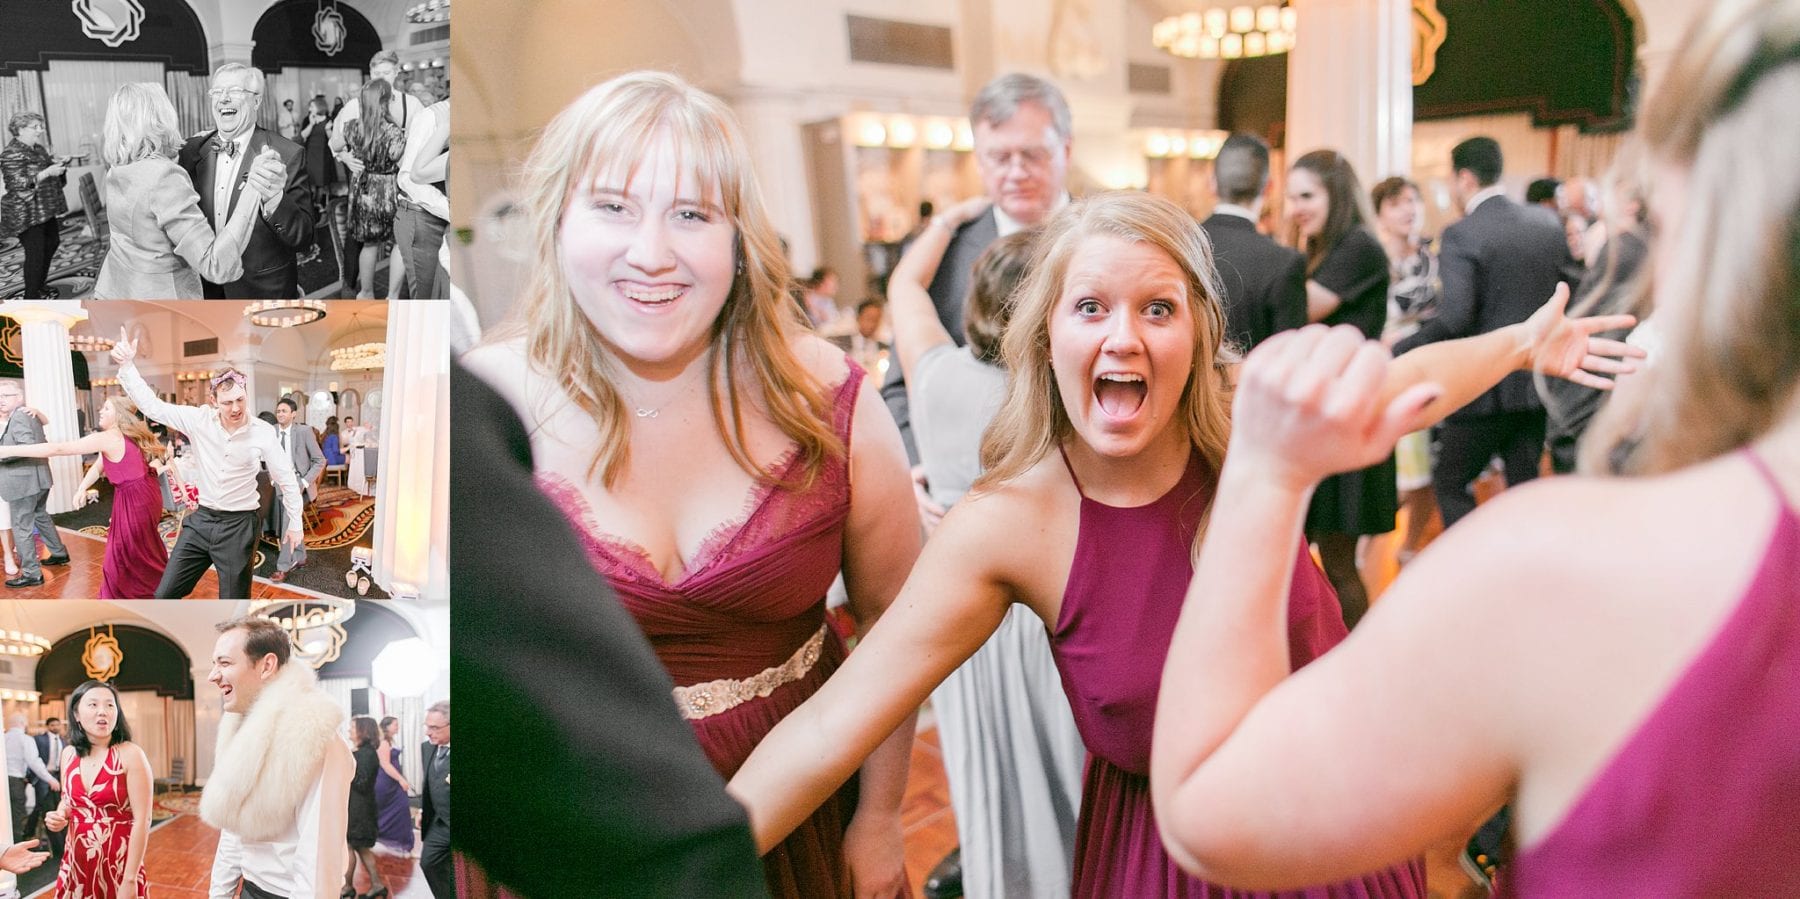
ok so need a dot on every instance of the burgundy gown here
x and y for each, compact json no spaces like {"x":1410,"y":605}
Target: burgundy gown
{"x":1126,"y":586}
{"x":1704,"y":798}
{"x":135,"y":554}
{"x":751,"y":597}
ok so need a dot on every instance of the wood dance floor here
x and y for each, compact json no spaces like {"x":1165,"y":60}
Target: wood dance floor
{"x":80,"y":579}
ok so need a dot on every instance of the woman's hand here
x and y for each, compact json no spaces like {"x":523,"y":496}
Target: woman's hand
{"x":51,"y":171}
{"x":56,"y":820}
{"x":875,"y":855}
{"x":18,"y":858}
{"x":1565,"y":347}
{"x":1308,"y":405}
{"x":963,"y":213}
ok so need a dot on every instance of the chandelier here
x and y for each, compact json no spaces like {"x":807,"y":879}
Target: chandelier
{"x":1221,"y":33}
{"x":359,"y":357}
{"x":22,"y":643}
{"x":315,"y":627}
{"x":429,"y":12}
{"x":89,"y":343}
{"x":284,"y":313}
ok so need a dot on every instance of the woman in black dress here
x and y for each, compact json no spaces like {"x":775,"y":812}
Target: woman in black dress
{"x":1346,"y":284}
{"x":360,"y":832}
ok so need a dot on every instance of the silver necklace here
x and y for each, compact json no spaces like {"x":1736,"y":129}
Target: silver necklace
{"x":642,"y":412}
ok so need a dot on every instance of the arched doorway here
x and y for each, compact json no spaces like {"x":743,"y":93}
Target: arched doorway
{"x":155,"y":684}
{"x":307,"y":50}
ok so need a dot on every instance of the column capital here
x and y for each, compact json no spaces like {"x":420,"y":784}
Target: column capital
{"x":26,"y":312}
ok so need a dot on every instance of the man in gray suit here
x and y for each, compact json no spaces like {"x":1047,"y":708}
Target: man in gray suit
{"x":1498,"y":264}
{"x":1022,"y":141}
{"x":25,"y":485}
{"x":309,"y":462}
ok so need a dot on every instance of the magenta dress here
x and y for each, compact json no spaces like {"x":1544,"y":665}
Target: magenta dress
{"x":752,"y":598}
{"x":1704,"y":799}
{"x":135,"y":554}
{"x":1126,"y":586}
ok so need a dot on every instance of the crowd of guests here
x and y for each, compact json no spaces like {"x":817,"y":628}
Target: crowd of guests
{"x":231,"y":212}
{"x":1134,"y":447}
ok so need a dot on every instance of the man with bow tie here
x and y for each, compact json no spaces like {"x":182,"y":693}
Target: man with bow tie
{"x":219,"y":162}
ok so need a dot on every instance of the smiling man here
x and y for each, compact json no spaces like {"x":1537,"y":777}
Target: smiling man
{"x":231,"y":445}
{"x":218,"y":161}
{"x":279,"y":791}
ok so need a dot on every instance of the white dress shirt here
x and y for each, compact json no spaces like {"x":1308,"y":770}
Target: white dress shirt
{"x":22,"y":755}
{"x":285,"y":437}
{"x":1242,"y":212}
{"x":418,"y":131}
{"x":297,"y":865}
{"x":225,"y":172}
{"x":228,"y":461}
{"x":1008,"y":226}
{"x":1483,"y":195}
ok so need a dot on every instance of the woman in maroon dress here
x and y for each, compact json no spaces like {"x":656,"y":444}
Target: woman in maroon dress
{"x":105,"y":801}
{"x":1100,"y":469}
{"x":721,"y":462}
{"x":135,"y":553}
{"x":1617,"y":657}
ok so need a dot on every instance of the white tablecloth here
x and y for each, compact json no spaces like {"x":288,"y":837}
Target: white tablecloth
{"x":363,"y":464}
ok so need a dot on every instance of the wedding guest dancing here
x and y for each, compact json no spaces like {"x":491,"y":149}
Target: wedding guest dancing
{"x":214,"y":162}
{"x":1099,"y":474}
{"x":231,"y":446}
{"x":279,"y":791}
{"x":1634,"y":701}
{"x":107,"y":790}
{"x":164,"y":240}
{"x":25,"y":485}
{"x":135,"y":555}
{"x":359,"y":829}
{"x":393,"y":809}
{"x":668,"y":318}
{"x":434,"y":803}
{"x":33,"y":205}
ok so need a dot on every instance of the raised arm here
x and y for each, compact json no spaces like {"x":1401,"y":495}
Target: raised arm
{"x":433,"y":162}
{"x":914,"y":316}
{"x":1548,"y":341}
{"x":952,"y":602}
{"x":181,"y":418}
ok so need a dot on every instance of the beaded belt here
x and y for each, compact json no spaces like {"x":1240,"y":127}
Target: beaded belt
{"x":709,"y":698}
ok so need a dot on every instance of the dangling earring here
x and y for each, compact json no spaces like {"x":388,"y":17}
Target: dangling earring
{"x":740,"y":266}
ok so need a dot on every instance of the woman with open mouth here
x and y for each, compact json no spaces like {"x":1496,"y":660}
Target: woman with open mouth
{"x":1100,"y":471}
{"x":106,"y":794}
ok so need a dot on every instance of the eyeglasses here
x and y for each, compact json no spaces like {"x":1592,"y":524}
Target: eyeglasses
{"x":1029,"y":157}
{"x":232,"y":93}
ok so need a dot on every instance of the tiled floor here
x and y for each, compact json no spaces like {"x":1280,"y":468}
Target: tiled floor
{"x":930,"y":824}
{"x":80,"y":579}
{"x":179,"y":864}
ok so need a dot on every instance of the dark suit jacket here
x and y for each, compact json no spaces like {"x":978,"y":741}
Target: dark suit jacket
{"x":1498,"y":265}
{"x":51,"y":763}
{"x":1265,"y":282}
{"x":270,"y":270}
{"x":556,"y":680}
{"x":949,"y":291}
{"x":428,"y":810}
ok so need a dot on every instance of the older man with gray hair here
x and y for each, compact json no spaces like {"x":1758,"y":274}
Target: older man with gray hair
{"x":218,"y":162}
{"x":25,"y":485}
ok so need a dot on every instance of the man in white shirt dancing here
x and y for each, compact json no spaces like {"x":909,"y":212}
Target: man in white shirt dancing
{"x":230,"y":444}
{"x":279,"y":791}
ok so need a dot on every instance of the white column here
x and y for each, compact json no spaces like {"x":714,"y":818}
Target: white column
{"x":50,"y":383}
{"x":1350,"y":84}
{"x":208,"y":709}
{"x":412,"y":493}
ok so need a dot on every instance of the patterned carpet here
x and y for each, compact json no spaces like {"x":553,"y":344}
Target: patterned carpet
{"x":72,"y":270}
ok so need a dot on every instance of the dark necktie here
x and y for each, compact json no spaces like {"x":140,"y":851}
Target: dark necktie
{"x":443,"y":758}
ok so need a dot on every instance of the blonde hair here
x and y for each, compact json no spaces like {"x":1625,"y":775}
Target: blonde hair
{"x":1730,"y":360}
{"x":1032,"y":422}
{"x":617,"y":122}
{"x":140,"y":122}
{"x":135,"y":428}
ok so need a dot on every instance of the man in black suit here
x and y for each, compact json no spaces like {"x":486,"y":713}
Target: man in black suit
{"x":1265,"y":282}
{"x":1022,"y":141}
{"x":617,"y":798}
{"x":1498,"y":265}
{"x":434,"y":803}
{"x":50,"y":745}
{"x":218,"y":162}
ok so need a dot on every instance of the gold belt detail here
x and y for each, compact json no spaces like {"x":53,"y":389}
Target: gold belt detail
{"x":709,"y":698}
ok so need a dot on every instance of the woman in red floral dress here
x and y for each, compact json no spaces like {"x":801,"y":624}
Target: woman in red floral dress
{"x":106,"y":802}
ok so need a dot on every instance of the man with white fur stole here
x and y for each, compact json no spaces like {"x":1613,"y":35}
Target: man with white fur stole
{"x":280,"y":785}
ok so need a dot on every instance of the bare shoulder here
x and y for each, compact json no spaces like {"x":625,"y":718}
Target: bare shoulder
{"x":822,"y":359}
{"x":1024,"y":528}
{"x":504,"y":366}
